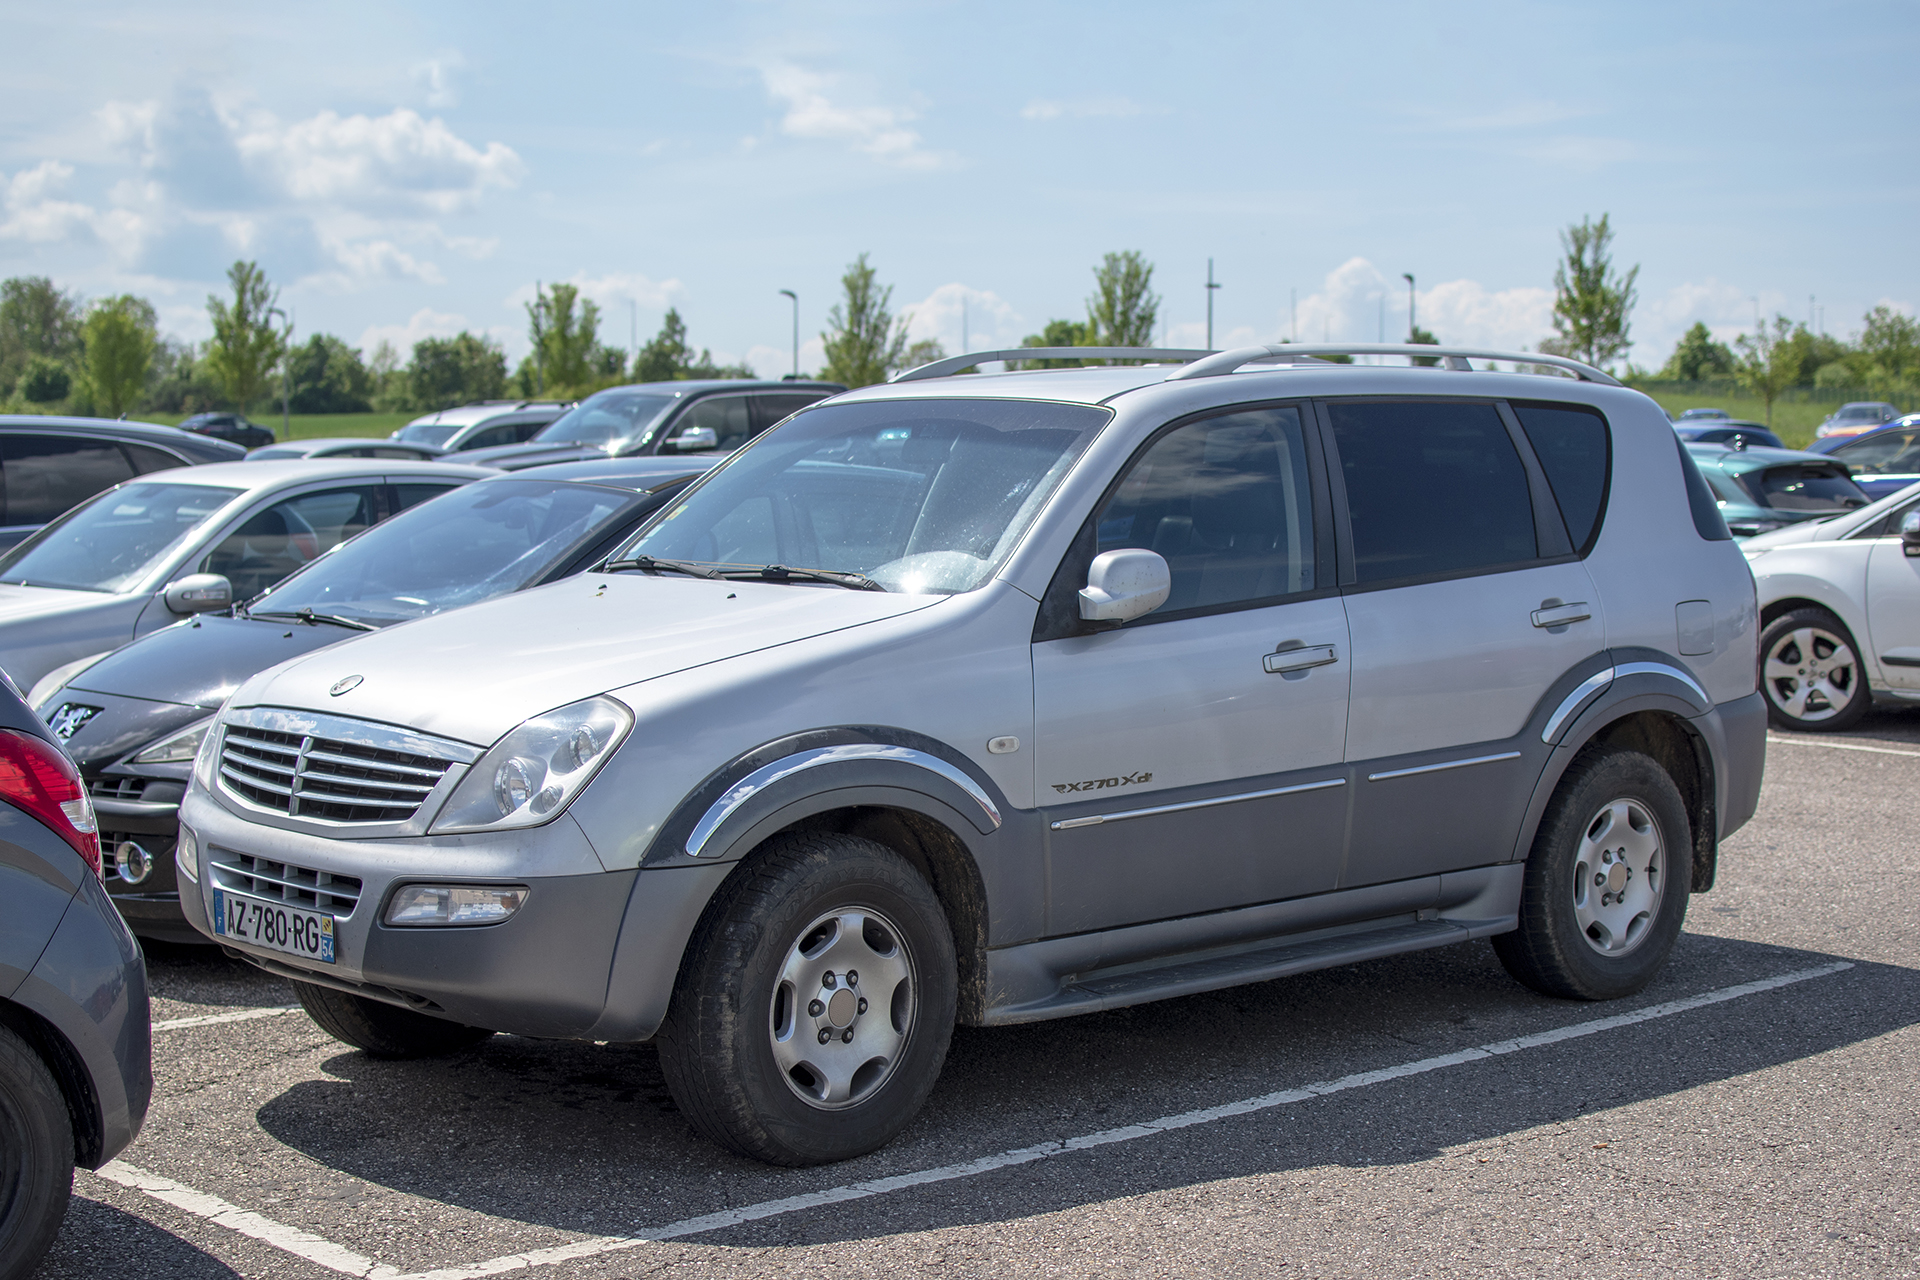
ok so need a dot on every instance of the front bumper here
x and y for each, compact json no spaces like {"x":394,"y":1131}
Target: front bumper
{"x":546,"y":971}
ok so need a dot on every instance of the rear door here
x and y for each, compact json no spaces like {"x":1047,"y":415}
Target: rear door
{"x":1466,"y":599}
{"x":1893,"y":604}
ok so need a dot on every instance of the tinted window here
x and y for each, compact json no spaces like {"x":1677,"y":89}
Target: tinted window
{"x":145,"y":458}
{"x":524,"y":431}
{"x":1803,"y":489}
{"x":1890,"y":453}
{"x":1226,"y":502}
{"x":117,"y":539}
{"x":491,"y":436}
{"x":771,"y":409}
{"x":1707,"y":520}
{"x":45,"y":475}
{"x":727,"y":416}
{"x":288,"y":535}
{"x":429,"y":432}
{"x":1571,"y":444}
{"x":1433,"y":487}
{"x":409,"y":495}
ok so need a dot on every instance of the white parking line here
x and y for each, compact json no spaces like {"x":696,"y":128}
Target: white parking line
{"x":326,"y":1254}
{"x":207,"y":1020}
{"x":1840,"y":746}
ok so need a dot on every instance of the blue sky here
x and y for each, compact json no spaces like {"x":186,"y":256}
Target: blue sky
{"x":410,"y":169}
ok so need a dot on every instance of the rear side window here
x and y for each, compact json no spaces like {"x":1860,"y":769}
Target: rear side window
{"x":768,"y":410}
{"x":45,"y":475}
{"x":146,"y":458}
{"x":1890,"y":453}
{"x":1571,"y":443}
{"x":407,"y":495}
{"x":1707,"y":520}
{"x":727,"y":416}
{"x":1433,"y":488}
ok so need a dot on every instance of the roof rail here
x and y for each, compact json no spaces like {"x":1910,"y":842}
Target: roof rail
{"x":1452,"y":357}
{"x":954,"y":364}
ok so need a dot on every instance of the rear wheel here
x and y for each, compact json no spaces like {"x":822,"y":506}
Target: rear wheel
{"x":1811,"y":672}
{"x":36,"y":1156}
{"x":815,"y":1003}
{"x":1606,"y":883}
{"x":383,"y":1030}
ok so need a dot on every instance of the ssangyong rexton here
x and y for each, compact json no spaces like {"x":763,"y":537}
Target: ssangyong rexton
{"x":1004,"y":697}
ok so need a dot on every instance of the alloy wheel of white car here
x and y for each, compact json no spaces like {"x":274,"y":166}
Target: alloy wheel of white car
{"x":1810,"y":672}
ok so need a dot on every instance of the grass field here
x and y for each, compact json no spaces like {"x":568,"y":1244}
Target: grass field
{"x":305,"y":426}
{"x":1793,"y":423}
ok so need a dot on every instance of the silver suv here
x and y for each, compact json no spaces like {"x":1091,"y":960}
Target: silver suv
{"x":1004,"y":697}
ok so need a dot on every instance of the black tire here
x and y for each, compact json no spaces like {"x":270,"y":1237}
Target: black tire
{"x":36,"y":1157}
{"x":1841,"y":694}
{"x":1552,"y":951}
{"x":384,"y":1030}
{"x":719,"y":1042}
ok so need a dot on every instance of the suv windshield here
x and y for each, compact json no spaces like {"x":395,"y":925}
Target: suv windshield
{"x":921,"y":496}
{"x":471,"y":544}
{"x":115,"y":540}
{"x":429,"y":432}
{"x":612,"y":420}
{"x":1803,"y":489}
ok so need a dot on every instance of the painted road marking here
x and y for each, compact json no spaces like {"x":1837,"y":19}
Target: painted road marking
{"x":335,"y":1258}
{"x":1840,"y":746}
{"x":245,"y":1015}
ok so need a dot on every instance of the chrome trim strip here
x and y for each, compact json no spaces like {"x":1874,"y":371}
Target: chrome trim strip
{"x":765,"y":776}
{"x":1574,"y":701}
{"x":1096,"y":819}
{"x":1671,"y":672}
{"x":1436,"y":768}
{"x":364,"y":733}
{"x":135,"y":808}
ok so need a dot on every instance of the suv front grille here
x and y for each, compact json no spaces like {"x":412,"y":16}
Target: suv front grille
{"x":311,"y":777}
{"x":284,"y":882}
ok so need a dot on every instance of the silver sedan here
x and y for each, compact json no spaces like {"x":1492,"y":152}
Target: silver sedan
{"x":149,"y":552}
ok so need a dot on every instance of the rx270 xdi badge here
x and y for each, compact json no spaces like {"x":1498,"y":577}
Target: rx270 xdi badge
{"x":1101,"y":784}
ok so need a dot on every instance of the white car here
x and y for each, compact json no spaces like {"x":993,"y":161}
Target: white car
{"x":1840,"y":613}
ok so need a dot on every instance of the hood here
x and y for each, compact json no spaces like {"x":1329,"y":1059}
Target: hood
{"x":472,"y":674}
{"x":18,"y":603}
{"x":512,"y":457}
{"x":200,"y":663}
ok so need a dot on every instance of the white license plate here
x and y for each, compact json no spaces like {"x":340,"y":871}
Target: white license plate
{"x":273,"y":925}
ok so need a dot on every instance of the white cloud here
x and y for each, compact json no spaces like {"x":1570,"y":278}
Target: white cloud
{"x":1358,"y":302}
{"x":378,"y":161}
{"x":879,"y":132}
{"x":1110,"y":108}
{"x":33,"y":212}
{"x":424,"y":323}
{"x":954,"y":312}
{"x":1586,"y":154}
{"x":435,"y":78}
{"x":777,"y":362}
{"x":618,"y":288}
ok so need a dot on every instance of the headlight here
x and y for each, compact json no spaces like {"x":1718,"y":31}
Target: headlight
{"x":207,"y":762}
{"x":534,"y":772}
{"x":178,"y":749}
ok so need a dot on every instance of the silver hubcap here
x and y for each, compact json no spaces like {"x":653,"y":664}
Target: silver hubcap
{"x":842,"y":1007}
{"x":1619,"y":876}
{"x":1810,"y":674}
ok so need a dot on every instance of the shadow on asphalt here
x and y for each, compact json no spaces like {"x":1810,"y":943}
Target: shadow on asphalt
{"x":585,"y":1138}
{"x":99,"y":1240}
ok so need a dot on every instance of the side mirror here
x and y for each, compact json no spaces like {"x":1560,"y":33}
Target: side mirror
{"x":694,"y":439}
{"x":1910,"y":533}
{"x":199,"y":593}
{"x":1124,"y":585}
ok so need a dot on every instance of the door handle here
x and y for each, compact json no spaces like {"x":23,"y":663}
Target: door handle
{"x":1560,"y":615}
{"x":1318,"y":655}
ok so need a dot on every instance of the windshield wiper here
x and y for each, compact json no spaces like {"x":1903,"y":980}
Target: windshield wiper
{"x":657,"y":565}
{"x":313,"y":619}
{"x":784,"y":573}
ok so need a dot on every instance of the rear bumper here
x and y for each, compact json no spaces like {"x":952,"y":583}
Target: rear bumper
{"x":1736,"y":733}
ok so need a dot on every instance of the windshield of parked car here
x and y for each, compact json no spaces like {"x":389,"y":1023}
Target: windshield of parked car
{"x":1803,"y":488}
{"x":468,"y":545}
{"x":612,"y":420}
{"x":429,"y":432}
{"x":921,"y":496}
{"x":113,"y":541}
{"x":1861,"y":413}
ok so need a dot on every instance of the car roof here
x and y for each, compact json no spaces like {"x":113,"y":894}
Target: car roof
{"x":103,"y":426}
{"x":467,"y":415}
{"x":642,"y":471}
{"x":277,"y":473}
{"x":683,"y":386}
{"x":311,"y":443}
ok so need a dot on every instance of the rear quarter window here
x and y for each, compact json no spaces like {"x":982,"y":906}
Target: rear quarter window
{"x":1575,"y":450}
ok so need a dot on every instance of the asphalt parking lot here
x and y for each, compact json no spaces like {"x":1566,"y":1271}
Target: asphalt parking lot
{"x":1753,"y":1114}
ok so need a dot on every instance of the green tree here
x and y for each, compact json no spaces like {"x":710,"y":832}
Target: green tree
{"x":1768,"y":363}
{"x":457,"y":370}
{"x":1058,"y":333}
{"x":45,"y":380}
{"x":328,"y":376}
{"x":1591,"y":302}
{"x":1123,"y":309}
{"x":669,"y":357}
{"x":1888,"y":352}
{"x":1425,"y":338}
{"x":1697,"y":356}
{"x":246,"y":345}
{"x":864,"y":342}
{"x":565,"y":329}
{"x":36,"y":319}
{"x":119,"y":338}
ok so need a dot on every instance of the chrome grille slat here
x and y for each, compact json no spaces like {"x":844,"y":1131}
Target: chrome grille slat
{"x":306,"y":775}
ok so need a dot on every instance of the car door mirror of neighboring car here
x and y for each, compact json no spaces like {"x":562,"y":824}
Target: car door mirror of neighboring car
{"x":1910,"y":533}
{"x":694,"y":439}
{"x":1124,"y":585}
{"x":199,"y":593}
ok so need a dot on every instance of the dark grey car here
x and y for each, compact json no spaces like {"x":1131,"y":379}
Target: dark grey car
{"x":50,"y":464}
{"x":75,"y":1071}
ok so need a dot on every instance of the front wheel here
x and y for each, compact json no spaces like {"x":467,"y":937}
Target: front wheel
{"x":36,"y":1157}
{"x":815,"y":1003}
{"x":383,"y":1030}
{"x":1810,"y":671}
{"x":1606,"y":883}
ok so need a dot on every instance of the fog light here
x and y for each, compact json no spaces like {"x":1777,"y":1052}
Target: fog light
{"x":454,"y":904}
{"x":133,"y":862}
{"x":186,"y":856}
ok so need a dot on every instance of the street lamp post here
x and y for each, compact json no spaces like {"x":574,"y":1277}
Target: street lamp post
{"x":1212,"y":284}
{"x":788,"y":293}
{"x":286,"y":361}
{"x":1412,"y":328}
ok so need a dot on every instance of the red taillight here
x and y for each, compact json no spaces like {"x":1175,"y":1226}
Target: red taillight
{"x":37,"y":778}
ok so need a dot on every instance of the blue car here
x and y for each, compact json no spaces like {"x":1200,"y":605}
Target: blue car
{"x":1883,"y":461}
{"x":1729,"y":431}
